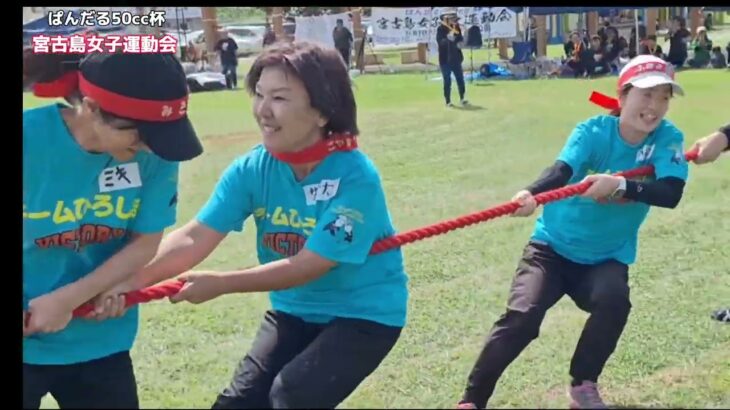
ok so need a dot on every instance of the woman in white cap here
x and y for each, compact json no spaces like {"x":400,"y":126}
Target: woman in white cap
{"x":583,"y":246}
{"x":450,"y":39}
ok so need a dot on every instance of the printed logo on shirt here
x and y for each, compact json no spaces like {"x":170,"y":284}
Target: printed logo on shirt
{"x":284,"y":243}
{"x":77,"y":239}
{"x":645,"y":153}
{"x":678,"y":155}
{"x":119,"y":177}
{"x":283,"y":218}
{"x":343,"y":224}
{"x":325,"y":190}
{"x":101,"y":206}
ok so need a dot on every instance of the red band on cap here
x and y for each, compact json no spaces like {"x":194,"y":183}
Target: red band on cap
{"x":650,"y":67}
{"x":134,"y":108}
{"x":318,"y":151}
{"x":62,"y":87}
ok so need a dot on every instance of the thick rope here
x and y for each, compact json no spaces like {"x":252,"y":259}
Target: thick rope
{"x":169,"y":288}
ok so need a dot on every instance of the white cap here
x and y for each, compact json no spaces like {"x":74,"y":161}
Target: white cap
{"x":647,"y":71}
{"x":448,"y":11}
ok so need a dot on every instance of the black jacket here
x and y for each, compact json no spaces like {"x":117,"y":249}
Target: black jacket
{"x":449,"y":53}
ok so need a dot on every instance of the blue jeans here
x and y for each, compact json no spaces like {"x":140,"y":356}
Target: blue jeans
{"x":229,"y":70}
{"x":446,"y":70}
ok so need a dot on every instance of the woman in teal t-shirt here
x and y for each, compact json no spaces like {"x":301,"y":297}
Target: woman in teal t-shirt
{"x":99,"y":188}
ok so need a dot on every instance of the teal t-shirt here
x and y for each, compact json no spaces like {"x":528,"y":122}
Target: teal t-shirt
{"x":589,"y":232}
{"x":79,"y":209}
{"x":337,"y":212}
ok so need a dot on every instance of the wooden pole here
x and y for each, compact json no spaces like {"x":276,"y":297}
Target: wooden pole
{"x":210,"y":29}
{"x":592,"y":23}
{"x":541,"y":35}
{"x":695,"y":13}
{"x":277,"y":16}
{"x":359,"y":37}
{"x":651,"y":17}
{"x":503,"y":49}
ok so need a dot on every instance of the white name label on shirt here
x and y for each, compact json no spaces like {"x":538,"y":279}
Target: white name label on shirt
{"x":118,"y":177}
{"x":325,"y":190}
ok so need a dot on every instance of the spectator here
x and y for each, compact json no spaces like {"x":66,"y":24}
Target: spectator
{"x":269,"y":35}
{"x":678,"y":37}
{"x":227,"y":49}
{"x":602,"y":31}
{"x":708,"y":21}
{"x":533,"y":34}
{"x":727,"y":49}
{"x":598,"y":64}
{"x":718,"y":59}
{"x":343,"y":41}
{"x":701,"y":46}
{"x":576,"y":61}
{"x":568,"y":46}
{"x":651,"y":47}
{"x":611,"y":47}
{"x":450,"y":40}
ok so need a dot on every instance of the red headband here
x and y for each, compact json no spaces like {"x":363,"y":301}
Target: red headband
{"x":117,"y":104}
{"x":135,"y":108}
{"x":62,"y":87}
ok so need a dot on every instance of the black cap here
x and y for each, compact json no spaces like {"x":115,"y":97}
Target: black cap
{"x":149,"y":89}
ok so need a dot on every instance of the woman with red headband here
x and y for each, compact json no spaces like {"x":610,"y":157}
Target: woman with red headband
{"x":95,"y":204}
{"x":583,"y":246}
{"x":319,"y":206}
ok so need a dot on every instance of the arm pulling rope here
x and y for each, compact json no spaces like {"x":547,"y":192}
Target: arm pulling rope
{"x":169,"y":288}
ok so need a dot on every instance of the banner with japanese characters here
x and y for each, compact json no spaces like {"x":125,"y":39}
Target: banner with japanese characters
{"x":419,"y":24}
{"x":401,"y":25}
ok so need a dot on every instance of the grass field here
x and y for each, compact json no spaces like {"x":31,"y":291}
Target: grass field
{"x":439,"y":163}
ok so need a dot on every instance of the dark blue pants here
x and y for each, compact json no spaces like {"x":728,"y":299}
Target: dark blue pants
{"x":446,"y":70}
{"x":229,"y":70}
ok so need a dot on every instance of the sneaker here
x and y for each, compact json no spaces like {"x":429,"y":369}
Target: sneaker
{"x":585,"y":396}
{"x":448,"y":104}
{"x":465,"y":405}
{"x":464,"y":102}
{"x":723,"y":315}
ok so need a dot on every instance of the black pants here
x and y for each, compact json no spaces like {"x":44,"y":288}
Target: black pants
{"x":542,"y":278}
{"x":345,"y":52}
{"x":108,"y":382}
{"x":295,"y":364}
{"x":446,"y":70}
{"x":229,"y":70}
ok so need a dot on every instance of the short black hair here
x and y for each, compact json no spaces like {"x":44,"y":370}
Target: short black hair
{"x":323,"y":72}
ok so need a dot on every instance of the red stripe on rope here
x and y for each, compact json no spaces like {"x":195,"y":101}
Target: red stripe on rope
{"x":170,"y":288}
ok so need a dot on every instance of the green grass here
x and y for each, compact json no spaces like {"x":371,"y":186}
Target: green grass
{"x":439,"y":163}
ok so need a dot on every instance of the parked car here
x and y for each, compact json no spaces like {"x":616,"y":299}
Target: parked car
{"x":250,"y":38}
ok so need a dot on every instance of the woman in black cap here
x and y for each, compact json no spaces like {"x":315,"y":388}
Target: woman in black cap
{"x":99,"y":187}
